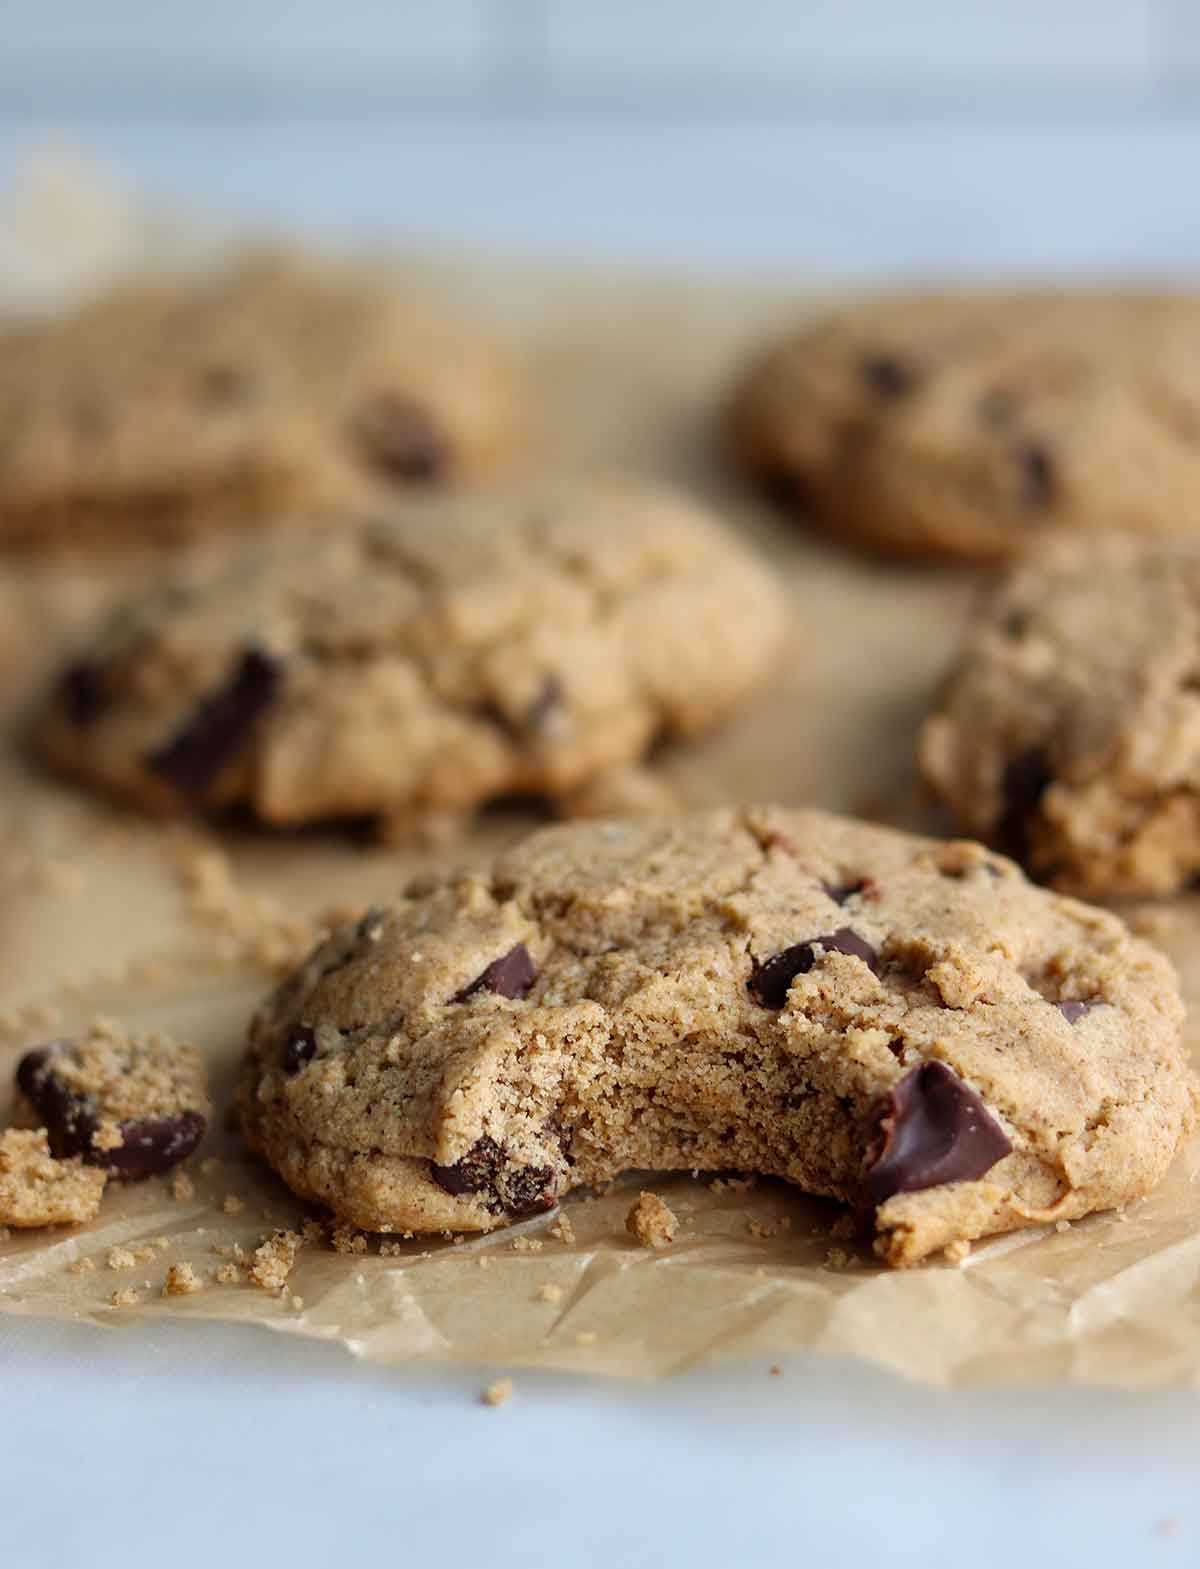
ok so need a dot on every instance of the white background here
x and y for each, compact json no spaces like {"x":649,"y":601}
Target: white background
{"x":866,"y":137}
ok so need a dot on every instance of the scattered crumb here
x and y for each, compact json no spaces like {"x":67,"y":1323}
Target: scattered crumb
{"x":182,"y":1187}
{"x":390,"y":1250}
{"x":274,"y":1260}
{"x":846,"y":1227}
{"x":345,"y":1239}
{"x":1062,"y":1225}
{"x":760,"y":1231}
{"x":586,"y":1337}
{"x":563,"y":1230}
{"x":776,"y":1371}
{"x":82,"y":1266}
{"x":498,"y":1392}
{"x":181,"y":1281}
{"x":38,"y":1190}
{"x":652,"y":1222}
{"x":526,"y":1244}
{"x":957,"y":1252}
{"x":485,"y":1261}
{"x":1169,"y":1526}
{"x":120,"y":1258}
{"x":227,"y":1274}
{"x":731,"y":1184}
{"x":232,"y":1205}
{"x":837,"y":1258}
{"x":296,"y":1304}
{"x":312,"y":1231}
{"x":127,"y":1297}
{"x":549,"y":1293}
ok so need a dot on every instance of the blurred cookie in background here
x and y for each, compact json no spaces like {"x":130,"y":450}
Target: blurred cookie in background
{"x":408,"y":668}
{"x":167,"y":407}
{"x":971,"y":426}
{"x":1068,"y":733}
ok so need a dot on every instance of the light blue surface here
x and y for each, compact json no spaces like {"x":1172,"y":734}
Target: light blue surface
{"x":183,"y":1443}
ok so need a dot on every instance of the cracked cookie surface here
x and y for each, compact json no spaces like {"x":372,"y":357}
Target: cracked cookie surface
{"x":976,"y":425}
{"x":424,"y":662}
{"x":264,"y":391}
{"x":907,"y":1026}
{"x":1068,"y":732}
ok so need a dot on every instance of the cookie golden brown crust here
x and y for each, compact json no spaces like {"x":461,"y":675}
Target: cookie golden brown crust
{"x":886,"y":1020}
{"x":973,"y":426}
{"x":424,"y":662}
{"x":252,"y":396}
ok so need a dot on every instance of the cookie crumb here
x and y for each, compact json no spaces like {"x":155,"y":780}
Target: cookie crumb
{"x":82,"y":1266}
{"x":837,"y":1258}
{"x":227,"y":1275}
{"x":274,"y":1260}
{"x":38,"y":1190}
{"x":549,"y":1293}
{"x":127,"y":1297}
{"x":731,"y":1184}
{"x":181,"y":1281}
{"x":563,"y":1230}
{"x":345,"y":1239}
{"x":1169,"y":1526}
{"x":232,"y":1205}
{"x":957,"y":1252}
{"x":497,"y":1392}
{"x":296,"y":1304}
{"x":652,"y":1222}
{"x":182,"y":1187}
{"x":526,"y":1244}
{"x":120,"y":1258}
{"x":586,"y":1337}
{"x":775,"y":1371}
{"x":1062,"y":1225}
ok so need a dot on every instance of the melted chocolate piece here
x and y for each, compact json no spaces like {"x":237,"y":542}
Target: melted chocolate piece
{"x":150,"y":1145}
{"x":83,"y":693}
{"x":1026,"y":779}
{"x":509,"y":976}
{"x":525,"y":1190}
{"x":840,"y":892}
{"x":221,"y":726}
{"x":1072,"y":1012}
{"x":889,"y":376}
{"x":934,"y":1129}
{"x":1036,"y":476}
{"x":400,"y":440}
{"x":770,"y":982}
{"x":300,"y":1049}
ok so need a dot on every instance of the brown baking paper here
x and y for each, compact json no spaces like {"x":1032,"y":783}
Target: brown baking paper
{"x":104,"y":914}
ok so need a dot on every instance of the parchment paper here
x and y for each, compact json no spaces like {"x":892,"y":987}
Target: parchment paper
{"x":100,"y":915}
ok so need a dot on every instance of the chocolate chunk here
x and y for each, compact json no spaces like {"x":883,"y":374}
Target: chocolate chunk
{"x":300,"y":1049}
{"x":221,"y":726}
{"x":840,"y":892}
{"x":1072,"y":1012}
{"x":83,"y":693}
{"x":1036,"y":478}
{"x":400,"y":440}
{"x":933,"y":1129}
{"x":150,"y":1145}
{"x":889,"y":376}
{"x":1026,"y":779}
{"x":523,"y":1190}
{"x":509,"y":976}
{"x":771,"y":981}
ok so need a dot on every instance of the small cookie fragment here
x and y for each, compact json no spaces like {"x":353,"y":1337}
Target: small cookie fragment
{"x":182,"y":1280}
{"x":497,"y":1392}
{"x":274,"y":1260}
{"x":37,"y":1189}
{"x":134,"y":1105}
{"x":652,"y":1222}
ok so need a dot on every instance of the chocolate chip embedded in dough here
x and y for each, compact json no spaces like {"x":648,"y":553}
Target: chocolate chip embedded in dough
{"x":221,"y":727}
{"x":889,"y":375}
{"x":1037,"y":476}
{"x":934,"y":1129}
{"x":482,"y":1173}
{"x":1072,"y":1012}
{"x":300,"y":1048}
{"x":771,"y":981}
{"x":399,"y":439}
{"x":83,"y":693}
{"x":509,"y":976}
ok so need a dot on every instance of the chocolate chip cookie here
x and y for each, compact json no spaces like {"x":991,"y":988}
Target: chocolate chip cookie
{"x":134,"y":1106}
{"x":247,"y":397}
{"x":905,"y":1025}
{"x":424,"y":662}
{"x":974,"y":425}
{"x":1068,"y":733}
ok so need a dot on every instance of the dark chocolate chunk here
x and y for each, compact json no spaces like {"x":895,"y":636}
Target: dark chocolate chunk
{"x":933,"y":1129}
{"x":1016,"y":623}
{"x":522,"y":1190}
{"x":509,"y":976}
{"x":1036,"y":478}
{"x":840,"y":892}
{"x":1026,"y":779}
{"x":770,"y":982}
{"x":83,"y":693}
{"x":300,"y":1049}
{"x":149,"y":1147}
{"x":221,"y":726}
{"x":889,"y":376}
{"x":400,"y":440}
{"x":1072,"y":1012}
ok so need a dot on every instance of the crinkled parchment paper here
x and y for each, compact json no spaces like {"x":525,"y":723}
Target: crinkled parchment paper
{"x":102,"y":914}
